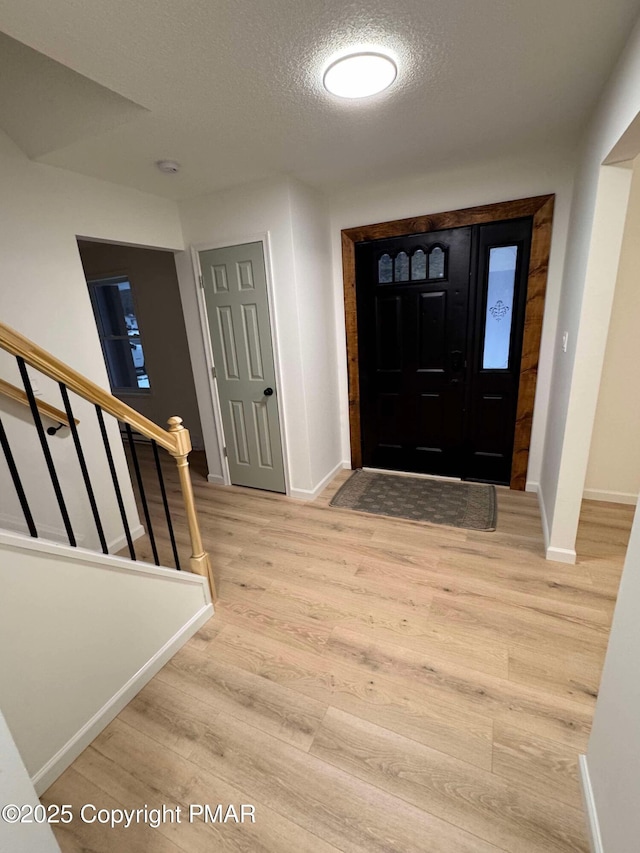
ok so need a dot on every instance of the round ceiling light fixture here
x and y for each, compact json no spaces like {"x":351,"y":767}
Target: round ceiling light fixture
{"x":360,"y":74}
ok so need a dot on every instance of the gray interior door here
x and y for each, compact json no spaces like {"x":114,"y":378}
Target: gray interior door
{"x":235,"y":288}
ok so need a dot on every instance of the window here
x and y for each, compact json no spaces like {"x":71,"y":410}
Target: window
{"x":385,"y":269}
{"x":418,"y":265}
{"x":401,"y":267}
{"x":499,"y":317}
{"x":421,"y":266}
{"x":436,"y":262}
{"x":117,"y":321}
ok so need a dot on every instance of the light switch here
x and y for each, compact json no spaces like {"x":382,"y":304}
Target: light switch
{"x":565,"y":341}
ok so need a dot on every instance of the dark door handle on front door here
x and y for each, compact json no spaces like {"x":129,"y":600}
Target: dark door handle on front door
{"x":457,"y":362}
{"x":268,"y":392}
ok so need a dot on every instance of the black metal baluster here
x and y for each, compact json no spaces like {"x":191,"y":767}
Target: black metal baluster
{"x":45,"y":449}
{"x":83,"y":466}
{"x":167,"y":512}
{"x":143,"y":497}
{"x":116,"y":484}
{"x":17,"y":482}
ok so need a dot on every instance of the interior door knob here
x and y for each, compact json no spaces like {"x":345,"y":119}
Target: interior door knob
{"x":268,"y":392}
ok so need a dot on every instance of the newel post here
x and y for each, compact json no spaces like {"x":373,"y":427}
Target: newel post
{"x":199,"y":561}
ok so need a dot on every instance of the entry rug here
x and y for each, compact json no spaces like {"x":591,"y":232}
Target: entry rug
{"x":468,"y":505}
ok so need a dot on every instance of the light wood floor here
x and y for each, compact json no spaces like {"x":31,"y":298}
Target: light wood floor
{"x":369,"y":684}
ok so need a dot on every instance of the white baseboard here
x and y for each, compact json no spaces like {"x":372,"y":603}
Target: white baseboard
{"x":54,"y":534}
{"x":556,"y":555}
{"x":110,"y":562}
{"x":535,"y":487}
{"x":47,"y":775}
{"x":217,"y":479}
{"x":610,"y":497}
{"x":311,"y":494}
{"x":593,"y":826}
{"x":17,"y":524}
{"x":120,"y":542}
{"x":561,"y":555}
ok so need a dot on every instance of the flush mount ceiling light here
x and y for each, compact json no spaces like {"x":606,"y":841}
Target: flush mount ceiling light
{"x":359,"y":75}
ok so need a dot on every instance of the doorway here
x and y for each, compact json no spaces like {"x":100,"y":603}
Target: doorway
{"x":444,"y":317}
{"x":440,"y":321}
{"x":138,"y":312}
{"x":239,"y":326}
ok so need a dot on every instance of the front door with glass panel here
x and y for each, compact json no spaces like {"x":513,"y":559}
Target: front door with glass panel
{"x":440,"y":322}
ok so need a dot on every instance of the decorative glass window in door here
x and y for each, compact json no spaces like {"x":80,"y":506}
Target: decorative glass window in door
{"x":401,"y":267}
{"x":436,"y":262}
{"x":503,"y":261}
{"x":385,"y":269}
{"x":418,"y":265}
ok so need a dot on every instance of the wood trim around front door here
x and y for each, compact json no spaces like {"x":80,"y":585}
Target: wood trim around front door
{"x":541,"y":209}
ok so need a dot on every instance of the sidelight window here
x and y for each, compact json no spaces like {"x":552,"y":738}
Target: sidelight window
{"x":501,"y":282}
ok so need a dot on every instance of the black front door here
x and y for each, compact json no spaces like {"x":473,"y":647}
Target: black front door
{"x":440,"y":321}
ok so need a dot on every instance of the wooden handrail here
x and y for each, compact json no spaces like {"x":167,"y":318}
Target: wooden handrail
{"x":17,"y":394}
{"x":175,"y":440}
{"x":16,"y":344}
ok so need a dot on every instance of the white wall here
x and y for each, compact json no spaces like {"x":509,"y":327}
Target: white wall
{"x":43,"y":294}
{"x":309,"y":307}
{"x":504,"y":179}
{"x":614,"y":461}
{"x":233,"y":216}
{"x":16,"y":787}
{"x":613,"y":756}
{"x":75,"y":628}
{"x":597,"y":224}
{"x":316,"y":317}
{"x":293,"y":218}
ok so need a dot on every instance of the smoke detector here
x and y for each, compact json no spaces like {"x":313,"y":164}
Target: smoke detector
{"x":169,"y":167}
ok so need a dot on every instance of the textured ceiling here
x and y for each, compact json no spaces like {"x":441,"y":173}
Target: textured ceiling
{"x":233,"y":87}
{"x":45,"y":106}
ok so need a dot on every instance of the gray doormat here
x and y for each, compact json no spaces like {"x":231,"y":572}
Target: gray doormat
{"x":472,"y":506}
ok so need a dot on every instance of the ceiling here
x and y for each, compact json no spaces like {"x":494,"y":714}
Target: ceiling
{"x":46,"y":106}
{"x":232,"y":88}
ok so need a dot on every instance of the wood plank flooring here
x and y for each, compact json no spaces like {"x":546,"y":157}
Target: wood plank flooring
{"x":369,"y":684}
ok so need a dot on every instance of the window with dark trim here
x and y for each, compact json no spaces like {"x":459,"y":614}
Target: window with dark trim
{"x":117,"y":320}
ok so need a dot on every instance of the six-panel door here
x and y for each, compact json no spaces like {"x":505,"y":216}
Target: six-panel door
{"x":235,"y":287}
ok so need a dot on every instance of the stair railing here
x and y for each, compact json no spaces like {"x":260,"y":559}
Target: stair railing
{"x":175,"y":440}
{"x":17,"y":394}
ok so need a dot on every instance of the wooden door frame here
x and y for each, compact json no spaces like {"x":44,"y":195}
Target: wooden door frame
{"x":538,"y":207}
